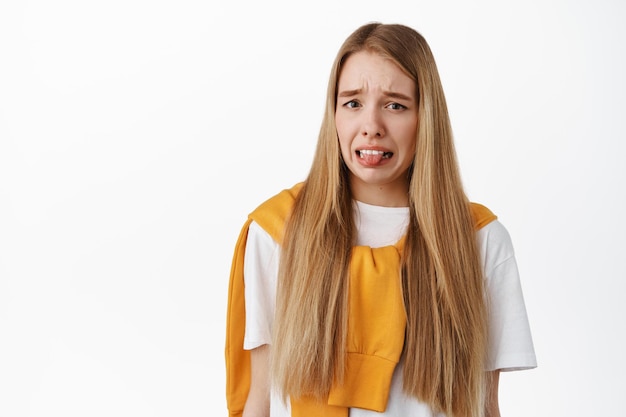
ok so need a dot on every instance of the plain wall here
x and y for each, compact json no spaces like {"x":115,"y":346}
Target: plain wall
{"x":135,"y":137}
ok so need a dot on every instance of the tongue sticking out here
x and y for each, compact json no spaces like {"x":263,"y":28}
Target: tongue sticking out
{"x":371,"y":157}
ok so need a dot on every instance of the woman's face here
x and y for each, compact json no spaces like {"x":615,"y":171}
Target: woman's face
{"x":377,"y":118}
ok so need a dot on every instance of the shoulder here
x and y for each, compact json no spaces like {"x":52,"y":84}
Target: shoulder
{"x":495,"y":245}
{"x":272,"y":214}
{"x":495,"y":233}
{"x":494,"y":240}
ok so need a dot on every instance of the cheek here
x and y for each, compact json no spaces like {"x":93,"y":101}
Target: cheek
{"x":409,"y":144}
{"x":343,"y":136}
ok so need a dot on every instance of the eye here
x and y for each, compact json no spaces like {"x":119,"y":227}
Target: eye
{"x":352,"y":104}
{"x":396,"y":106}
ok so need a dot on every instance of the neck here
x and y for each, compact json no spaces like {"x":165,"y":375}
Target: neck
{"x":385,"y":195}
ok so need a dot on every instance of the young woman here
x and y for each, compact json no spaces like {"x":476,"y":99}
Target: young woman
{"x":375,"y":288}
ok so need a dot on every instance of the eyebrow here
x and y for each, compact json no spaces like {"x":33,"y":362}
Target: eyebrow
{"x":391,"y":94}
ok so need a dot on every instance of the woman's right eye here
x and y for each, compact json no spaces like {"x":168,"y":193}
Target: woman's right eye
{"x":352,"y":104}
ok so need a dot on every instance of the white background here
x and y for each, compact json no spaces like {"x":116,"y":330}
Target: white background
{"x":135,"y":137}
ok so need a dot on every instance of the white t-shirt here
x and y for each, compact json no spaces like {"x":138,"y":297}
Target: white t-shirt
{"x":510,"y":345}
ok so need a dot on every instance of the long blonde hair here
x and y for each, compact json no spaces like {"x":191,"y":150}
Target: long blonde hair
{"x":445,"y":341}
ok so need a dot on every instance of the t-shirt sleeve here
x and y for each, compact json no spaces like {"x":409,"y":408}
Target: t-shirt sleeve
{"x":260,"y":272}
{"x":510,"y":340}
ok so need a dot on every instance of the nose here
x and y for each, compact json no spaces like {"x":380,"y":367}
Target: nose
{"x":373,"y":126}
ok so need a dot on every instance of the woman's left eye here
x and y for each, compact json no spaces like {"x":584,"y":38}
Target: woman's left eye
{"x":396,"y":106}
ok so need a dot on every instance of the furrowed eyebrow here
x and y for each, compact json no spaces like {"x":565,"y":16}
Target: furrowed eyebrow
{"x":399,"y":96}
{"x":349,"y":93}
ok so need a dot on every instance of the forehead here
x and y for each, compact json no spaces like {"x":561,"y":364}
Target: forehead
{"x":368,"y":70}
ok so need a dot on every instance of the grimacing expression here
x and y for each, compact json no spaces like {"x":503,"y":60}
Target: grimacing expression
{"x":376,"y":118}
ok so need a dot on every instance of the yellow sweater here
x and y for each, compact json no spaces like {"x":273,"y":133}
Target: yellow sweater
{"x":376,"y":324}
